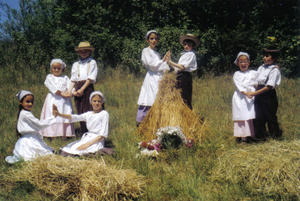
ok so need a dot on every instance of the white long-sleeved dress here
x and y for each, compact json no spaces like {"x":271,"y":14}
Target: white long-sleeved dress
{"x":243,"y":107}
{"x":30,"y":145}
{"x":156,"y":67}
{"x":63,"y":127}
{"x":97,"y":125}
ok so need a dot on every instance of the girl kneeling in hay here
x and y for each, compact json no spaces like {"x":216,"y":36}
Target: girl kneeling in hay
{"x":97,"y":125}
{"x":31,"y":144}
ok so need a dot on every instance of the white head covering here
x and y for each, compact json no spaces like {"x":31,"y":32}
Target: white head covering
{"x":58,"y":61}
{"x":149,"y":32}
{"x":21,"y":94}
{"x":241,"y":54}
{"x":97,"y":93}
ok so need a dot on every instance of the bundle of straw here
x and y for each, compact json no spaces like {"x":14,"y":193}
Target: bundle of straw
{"x":69,"y":178}
{"x":271,"y":168}
{"x":170,"y":110}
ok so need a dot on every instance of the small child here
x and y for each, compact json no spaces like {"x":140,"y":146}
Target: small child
{"x":30,"y":145}
{"x":243,"y":107}
{"x":83,"y":76}
{"x":187,"y":63}
{"x":97,"y":124}
{"x":266,"y":103}
{"x":156,"y":67}
{"x":58,"y":86}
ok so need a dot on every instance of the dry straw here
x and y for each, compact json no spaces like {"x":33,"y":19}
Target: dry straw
{"x":170,"y":110}
{"x":69,"y":178}
{"x":271,"y":168}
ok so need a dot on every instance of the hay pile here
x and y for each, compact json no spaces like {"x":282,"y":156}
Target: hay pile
{"x":69,"y":178}
{"x":170,"y":110}
{"x":271,"y":168}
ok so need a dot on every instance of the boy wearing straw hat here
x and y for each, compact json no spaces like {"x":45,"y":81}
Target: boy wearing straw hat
{"x":83,"y":76}
{"x":187,"y":63}
{"x":266,"y":103}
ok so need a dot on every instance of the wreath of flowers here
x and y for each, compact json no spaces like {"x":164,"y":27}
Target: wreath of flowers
{"x":164,"y":135}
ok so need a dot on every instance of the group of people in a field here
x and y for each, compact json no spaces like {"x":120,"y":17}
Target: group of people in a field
{"x":57,"y":116}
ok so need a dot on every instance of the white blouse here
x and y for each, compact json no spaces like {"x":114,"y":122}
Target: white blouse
{"x":268,"y":72}
{"x":29,"y":124}
{"x":189,"y":61}
{"x":156,"y":67}
{"x":84,"y":71}
{"x":242,"y":106}
{"x":96,"y":123}
{"x":55,"y":83}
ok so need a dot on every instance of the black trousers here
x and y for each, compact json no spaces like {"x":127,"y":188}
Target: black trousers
{"x":185,"y":83}
{"x":82,"y":103}
{"x":266,"y":105}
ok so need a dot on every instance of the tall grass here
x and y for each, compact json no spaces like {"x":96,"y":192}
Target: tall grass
{"x":183,"y":174}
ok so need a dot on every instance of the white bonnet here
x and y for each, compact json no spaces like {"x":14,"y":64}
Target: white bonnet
{"x":97,"y":93}
{"x":58,"y":61}
{"x":21,"y":94}
{"x":241,"y":54}
{"x":149,"y":32}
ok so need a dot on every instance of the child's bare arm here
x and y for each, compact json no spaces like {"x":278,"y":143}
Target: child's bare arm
{"x":89,"y":143}
{"x":81,"y":90}
{"x":56,"y":113}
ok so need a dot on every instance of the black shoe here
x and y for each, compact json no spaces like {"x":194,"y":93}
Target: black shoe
{"x":245,"y":140}
{"x":238,"y":140}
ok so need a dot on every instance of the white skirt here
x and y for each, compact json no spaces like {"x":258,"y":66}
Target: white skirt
{"x":72,"y":147}
{"x":28,"y":147}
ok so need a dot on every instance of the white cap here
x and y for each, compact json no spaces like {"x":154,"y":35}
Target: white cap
{"x":21,"y":94}
{"x":241,"y":54}
{"x":58,"y":61}
{"x":97,"y":93}
{"x":149,"y":32}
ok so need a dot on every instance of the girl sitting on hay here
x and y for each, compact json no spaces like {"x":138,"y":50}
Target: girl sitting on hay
{"x":97,"y":125}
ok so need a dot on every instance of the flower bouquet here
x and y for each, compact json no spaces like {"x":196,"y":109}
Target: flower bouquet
{"x":167,"y":137}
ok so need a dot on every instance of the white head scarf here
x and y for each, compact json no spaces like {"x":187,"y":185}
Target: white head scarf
{"x":149,"y":32}
{"x":21,"y":94}
{"x":241,"y":54}
{"x":58,"y":61}
{"x":97,"y":93}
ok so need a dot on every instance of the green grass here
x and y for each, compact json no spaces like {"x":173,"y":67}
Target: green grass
{"x":183,"y":174}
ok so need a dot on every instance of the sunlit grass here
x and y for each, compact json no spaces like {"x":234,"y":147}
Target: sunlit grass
{"x":182,"y":174}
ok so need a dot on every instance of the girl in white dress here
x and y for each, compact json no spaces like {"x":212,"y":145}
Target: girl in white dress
{"x":243,"y":111}
{"x":31,"y":144}
{"x":58,"y":87}
{"x":156,"y":68}
{"x":97,"y":125}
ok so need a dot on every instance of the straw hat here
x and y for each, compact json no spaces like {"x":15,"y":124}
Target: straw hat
{"x":189,"y":37}
{"x":85,"y":45}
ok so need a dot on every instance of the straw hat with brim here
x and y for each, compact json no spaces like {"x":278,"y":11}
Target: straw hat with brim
{"x":84,"y":46}
{"x":271,"y":50}
{"x":190,"y":37}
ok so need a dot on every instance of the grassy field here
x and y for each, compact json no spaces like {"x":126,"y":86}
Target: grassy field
{"x":183,"y":174}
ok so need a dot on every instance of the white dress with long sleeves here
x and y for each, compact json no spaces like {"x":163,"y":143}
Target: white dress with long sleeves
{"x":97,"y":125}
{"x":242,"y":106}
{"x":156,"y":67}
{"x":63,"y":127}
{"x":30,"y":145}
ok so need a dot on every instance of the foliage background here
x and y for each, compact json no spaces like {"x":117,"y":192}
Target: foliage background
{"x":44,"y":29}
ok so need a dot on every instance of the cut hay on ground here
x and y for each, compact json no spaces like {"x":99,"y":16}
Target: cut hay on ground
{"x":170,"y":110}
{"x":69,"y":178}
{"x":271,"y":168}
